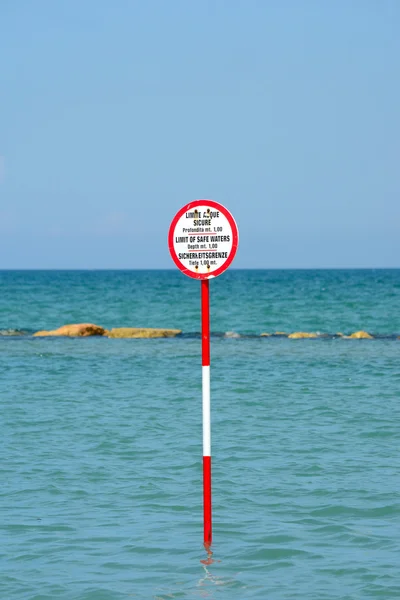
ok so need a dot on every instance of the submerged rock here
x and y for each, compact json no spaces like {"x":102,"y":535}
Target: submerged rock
{"x":298,"y":335}
{"x":265,"y":334}
{"x":141,"y":332}
{"x":75,"y":330}
{"x":361,"y":335}
{"x":12,"y":332}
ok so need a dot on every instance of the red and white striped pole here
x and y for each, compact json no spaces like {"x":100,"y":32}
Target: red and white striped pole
{"x":203,"y":239}
{"x":205,"y":347}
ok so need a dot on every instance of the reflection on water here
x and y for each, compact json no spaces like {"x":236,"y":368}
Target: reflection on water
{"x":204,"y":588}
{"x":209,"y":579}
{"x":213,"y":579}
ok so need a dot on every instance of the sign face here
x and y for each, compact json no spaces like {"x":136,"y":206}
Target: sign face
{"x":203,"y":239}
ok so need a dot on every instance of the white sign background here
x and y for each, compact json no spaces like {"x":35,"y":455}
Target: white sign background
{"x":203,"y":238}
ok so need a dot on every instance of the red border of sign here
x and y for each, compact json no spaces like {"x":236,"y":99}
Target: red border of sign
{"x":235,"y":238}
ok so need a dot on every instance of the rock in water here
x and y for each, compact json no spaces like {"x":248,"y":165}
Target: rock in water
{"x":12,"y":332}
{"x":299,"y":335}
{"x":361,"y":335}
{"x":141,"y":332}
{"x":75,"y":330}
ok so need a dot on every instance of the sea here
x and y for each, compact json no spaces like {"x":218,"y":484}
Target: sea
{"x":101,"y":439}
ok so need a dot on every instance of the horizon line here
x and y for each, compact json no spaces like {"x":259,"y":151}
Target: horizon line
{"x":172,"y":269}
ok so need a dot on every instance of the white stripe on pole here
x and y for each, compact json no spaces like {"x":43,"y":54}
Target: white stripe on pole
{"x":206,"y":412}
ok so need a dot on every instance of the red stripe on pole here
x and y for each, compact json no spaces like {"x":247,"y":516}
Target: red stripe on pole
{"x":205,"y":347}
{"x":205,"y":322}
{"x":207,"y":500}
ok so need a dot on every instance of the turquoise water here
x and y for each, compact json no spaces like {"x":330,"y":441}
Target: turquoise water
{"x":101,"y":438}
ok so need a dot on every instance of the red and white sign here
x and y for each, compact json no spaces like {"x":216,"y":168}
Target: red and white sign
{"x":203,"y":239}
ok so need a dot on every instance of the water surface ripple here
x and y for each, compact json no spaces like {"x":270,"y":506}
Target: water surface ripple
{"x":101,"y":445}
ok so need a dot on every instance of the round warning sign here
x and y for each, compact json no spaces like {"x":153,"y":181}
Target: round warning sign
{"x":203,"y":239}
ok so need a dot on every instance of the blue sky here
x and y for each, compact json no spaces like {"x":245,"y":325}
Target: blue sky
{"x":113,"y":115}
